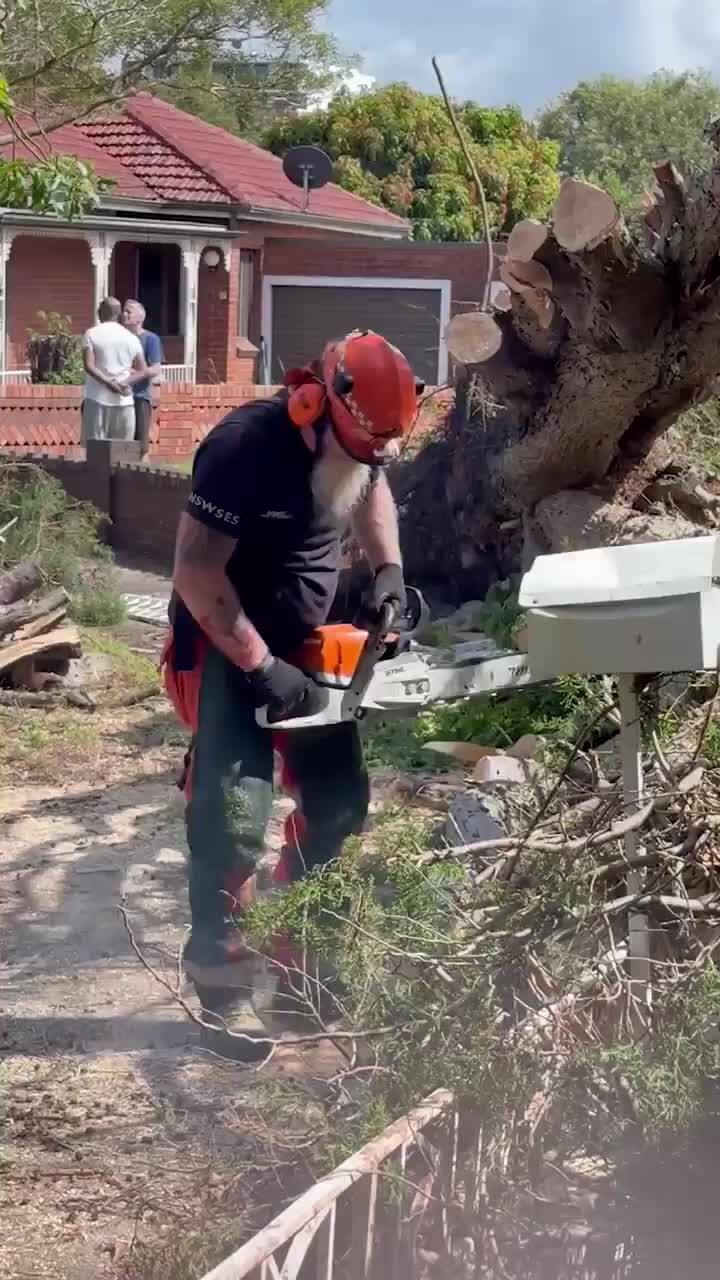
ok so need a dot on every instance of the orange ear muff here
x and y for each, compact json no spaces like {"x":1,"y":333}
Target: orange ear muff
{"x":306,"y":404}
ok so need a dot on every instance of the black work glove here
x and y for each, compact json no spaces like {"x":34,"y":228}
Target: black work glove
{"x":387,"y":587}
{"x":284,"y":690}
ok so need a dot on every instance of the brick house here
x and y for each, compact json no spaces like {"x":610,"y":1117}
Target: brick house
{"x":237,"y":278}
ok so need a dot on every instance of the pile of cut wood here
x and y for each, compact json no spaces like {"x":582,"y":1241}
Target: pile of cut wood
{"x":36,"y":642}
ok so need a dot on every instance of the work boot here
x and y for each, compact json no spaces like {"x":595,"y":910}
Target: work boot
{"x":223,"y":972}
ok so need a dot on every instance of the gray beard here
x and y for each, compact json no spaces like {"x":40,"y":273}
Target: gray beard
{"x":339,"y":483}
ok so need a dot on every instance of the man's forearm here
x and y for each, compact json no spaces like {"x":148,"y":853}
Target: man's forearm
{"x":375,"y":525}
{"x":204,"y":587}
{"x":215,"y":606}
{"x":140,"y":375}
{"x":93,"y":371}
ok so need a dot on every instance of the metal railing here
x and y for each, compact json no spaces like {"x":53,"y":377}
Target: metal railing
{"x":172,"y":373}
{"x":177,"y":373}
{"x":344,"y":1226}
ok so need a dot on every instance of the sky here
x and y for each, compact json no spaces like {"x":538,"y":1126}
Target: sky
{"x":525,"y":51}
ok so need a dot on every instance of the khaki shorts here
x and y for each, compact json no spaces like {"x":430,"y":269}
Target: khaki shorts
{"x":107,"y":421}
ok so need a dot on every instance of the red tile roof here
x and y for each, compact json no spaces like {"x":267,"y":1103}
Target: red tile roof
{"x":153,"y":151}
{"x":253,"y":177}
{"x":168,"y":173}
{"x":174,"y":156}
{"x":70,"y":140}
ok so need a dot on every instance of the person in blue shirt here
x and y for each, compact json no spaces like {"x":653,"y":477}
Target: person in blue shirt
{"x":134,"y":320}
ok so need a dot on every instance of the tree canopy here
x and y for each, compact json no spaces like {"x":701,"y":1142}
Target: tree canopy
{"x":612,"y":132}
{"x":44,"y":182}
{"x":223,"y":59}
{"x":396,"y":147}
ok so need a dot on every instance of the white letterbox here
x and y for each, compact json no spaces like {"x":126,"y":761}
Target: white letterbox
{"x":614,"y":610}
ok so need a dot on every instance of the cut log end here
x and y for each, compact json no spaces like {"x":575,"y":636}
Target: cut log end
{"x":473,"y":338}
{"x":519,"y":275}
{"x":501,"y":297}
{"x":584,"y":216}
{"x":526,"y":238}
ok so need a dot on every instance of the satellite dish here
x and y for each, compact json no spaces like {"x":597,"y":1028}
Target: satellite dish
{"x":309,"y":168}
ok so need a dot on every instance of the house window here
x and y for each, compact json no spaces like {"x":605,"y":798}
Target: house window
{"x":158,"y":286}
{"x":247,"y":266}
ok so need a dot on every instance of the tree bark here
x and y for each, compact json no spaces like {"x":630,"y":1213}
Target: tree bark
{"x":20,"y":582}
{"x":556,"y":439}
{"x":14,"y":616}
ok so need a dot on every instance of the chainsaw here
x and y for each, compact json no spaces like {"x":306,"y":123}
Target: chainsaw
{"x":382,"y":670}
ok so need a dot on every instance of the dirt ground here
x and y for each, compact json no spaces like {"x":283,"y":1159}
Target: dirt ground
{"x":119,"y":1124}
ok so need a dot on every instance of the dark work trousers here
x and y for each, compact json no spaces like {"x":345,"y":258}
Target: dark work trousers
{"x":143,"y":422}
{"x":231,"y":797}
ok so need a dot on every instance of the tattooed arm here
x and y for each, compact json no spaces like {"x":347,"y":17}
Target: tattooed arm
{"x":201,"y":557}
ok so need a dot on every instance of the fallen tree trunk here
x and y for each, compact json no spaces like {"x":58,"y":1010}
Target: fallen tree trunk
{"x":20,"y":582}
{"x":14,"y":616}
{"x":556,"y":437}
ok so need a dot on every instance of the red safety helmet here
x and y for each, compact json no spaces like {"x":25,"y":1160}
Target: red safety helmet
{"x":372,"y":394}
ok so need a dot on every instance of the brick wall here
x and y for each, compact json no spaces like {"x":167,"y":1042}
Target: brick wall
{"x":464,"y":265}
{"x":143,"y":504}
{"x":48,"y":418}
{"x":146,"y":503}
{"x":46,"y":274}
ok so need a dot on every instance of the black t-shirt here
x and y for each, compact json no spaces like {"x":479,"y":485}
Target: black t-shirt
{"x":251,"y":479}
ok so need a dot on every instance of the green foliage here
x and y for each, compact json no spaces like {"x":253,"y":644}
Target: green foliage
{"x":500,"y":614}
{"x":55,"y":355}
{"x":60,"y":185}
{"x":48,"y":183}
{"x":348,"y":911}
{"x":98,"y":607}
{"x":666,"y":1074}
{"x":555,"y":712}
{"x":395,"y":146}
{"x":234,"y":62}
{"x":613,"y":132}
{"x":696,"y":436}
{"x":50,"y":527}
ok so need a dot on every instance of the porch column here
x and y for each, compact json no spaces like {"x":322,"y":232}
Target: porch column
{"x":191,"y":267}
{"x":5,"y":248}
{"x":101,"y":248}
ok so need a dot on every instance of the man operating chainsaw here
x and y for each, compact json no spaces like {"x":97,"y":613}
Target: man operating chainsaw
{"x":274,"y":486}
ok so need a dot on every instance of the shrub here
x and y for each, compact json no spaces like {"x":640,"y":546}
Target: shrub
{"x":55,"y":355}
{"x":62,"y":536}
{"x":101,"y":607}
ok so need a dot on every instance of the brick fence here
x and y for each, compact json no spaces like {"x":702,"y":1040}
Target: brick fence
{"x":142,"y":503}
{"x":47,"y":418}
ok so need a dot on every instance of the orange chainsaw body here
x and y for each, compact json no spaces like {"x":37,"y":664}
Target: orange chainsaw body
{"x":331,"y":654}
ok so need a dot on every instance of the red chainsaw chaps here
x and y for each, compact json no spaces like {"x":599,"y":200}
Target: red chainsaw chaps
{"x":183,"y":690}
{"x":183,"y":687}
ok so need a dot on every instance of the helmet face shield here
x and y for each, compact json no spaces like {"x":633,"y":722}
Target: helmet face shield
{"x":372,"y":396}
